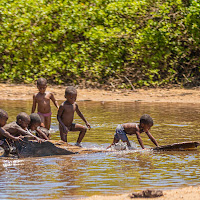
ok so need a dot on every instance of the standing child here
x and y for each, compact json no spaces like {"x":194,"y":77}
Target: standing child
{"x":42,"y":101}
{"x":4,"y":134}
{"x":66,"y":115}
{"x":146,"y":122}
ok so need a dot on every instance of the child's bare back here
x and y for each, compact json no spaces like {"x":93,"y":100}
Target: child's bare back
{"x":130,"y":128}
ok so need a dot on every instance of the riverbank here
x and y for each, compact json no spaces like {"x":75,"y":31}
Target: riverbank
{"x":176,"y":95}
{"x":187,"y":193}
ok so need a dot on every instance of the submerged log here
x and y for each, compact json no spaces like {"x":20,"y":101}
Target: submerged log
{"x":31,"y":148}
{"x":76,"y":149}
{"x":184,"y":146}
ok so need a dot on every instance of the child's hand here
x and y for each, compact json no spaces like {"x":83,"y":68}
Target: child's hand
{"x":88,"y":125}
{"x":39,"y":140}
{"x":145,"y":149}
{"x":18,"y":139}
{"x":65,"y":130}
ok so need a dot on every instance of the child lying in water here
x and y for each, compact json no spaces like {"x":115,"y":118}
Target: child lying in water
{"x":122,"y":130}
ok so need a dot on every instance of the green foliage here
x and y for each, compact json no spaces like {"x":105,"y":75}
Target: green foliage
{"x":148,"y":42}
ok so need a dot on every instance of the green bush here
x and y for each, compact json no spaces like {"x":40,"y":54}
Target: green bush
{"x":146,"y":42}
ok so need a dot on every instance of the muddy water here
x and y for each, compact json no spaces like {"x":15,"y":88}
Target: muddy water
{"x":71,"y":177}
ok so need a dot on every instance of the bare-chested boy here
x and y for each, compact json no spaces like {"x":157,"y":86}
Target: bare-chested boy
{"x":66,"y":115}
{"x":122,"y":130}
{"x":4,"y":134}
{"x":42,"y":101}
{"x":20,"y":127}
{"x":34,"y":125}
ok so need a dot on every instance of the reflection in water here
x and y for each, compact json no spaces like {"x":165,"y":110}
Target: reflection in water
{"x":84,"y":175}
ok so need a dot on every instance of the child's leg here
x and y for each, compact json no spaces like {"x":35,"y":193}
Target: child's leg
{"x":63,"y":136}
{"x":42,"y":120}
{"x":81,"y":128}
{"x":47,"y":122}
{"x":116,"y":138}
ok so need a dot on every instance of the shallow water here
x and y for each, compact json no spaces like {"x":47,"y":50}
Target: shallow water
{"x":71,"y":177}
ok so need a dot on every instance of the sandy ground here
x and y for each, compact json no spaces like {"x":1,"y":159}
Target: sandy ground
{"x":176,"y":95}
{"x":25,"y":92}
{"x":188,"y":193}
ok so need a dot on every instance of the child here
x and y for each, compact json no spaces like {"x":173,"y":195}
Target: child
{"x":146,"y":122}
{"x":19,"y":128}
{"x":34,"y":125}
{"x":66,"y":115}
{"x":4,"y":134}
{"x":42,"y":101}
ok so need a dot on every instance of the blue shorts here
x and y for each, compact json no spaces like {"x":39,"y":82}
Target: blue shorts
{"x":120,"y":134}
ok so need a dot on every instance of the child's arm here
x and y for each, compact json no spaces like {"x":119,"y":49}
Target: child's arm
{"x":59,"y":114}
{"x":152,"y":138}
{"x":54,"y":100}
{"x":82,"y":117}
{"x":37,"y":138}
{"x":34,"y":104}
{"x":43,"y":135}
{"x":8,"y":135}
{"x":139,"y":139}
{"x":23,"y":132}
{"x":128,"y":143}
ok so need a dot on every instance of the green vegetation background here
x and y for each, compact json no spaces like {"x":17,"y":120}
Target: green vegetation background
{"x":114,"y":42}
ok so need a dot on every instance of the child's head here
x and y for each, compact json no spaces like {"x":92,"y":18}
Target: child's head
{"x":146,"y":122}
{"x":42,"y":85}
{"x":3,"y":117}
{"x":23,"y":120}
{"x":71,"y":94}
{"x":35,"y":121}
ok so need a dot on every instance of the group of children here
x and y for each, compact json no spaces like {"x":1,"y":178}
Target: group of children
{"x":41,"y":121}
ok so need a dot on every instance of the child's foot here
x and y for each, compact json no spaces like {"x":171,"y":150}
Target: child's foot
{"x":78,"y":144}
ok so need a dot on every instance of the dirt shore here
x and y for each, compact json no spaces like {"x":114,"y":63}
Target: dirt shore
{"x":176,"y":95}
{"x":187,"y":193}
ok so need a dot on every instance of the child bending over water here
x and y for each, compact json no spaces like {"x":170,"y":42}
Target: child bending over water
{"x":42,"y":101}
{"x":20,"y":127}
{"x":122,"y":130}
{"x":34,"y":125}
{"x":66,"y":115}
{"x":4,"y":134}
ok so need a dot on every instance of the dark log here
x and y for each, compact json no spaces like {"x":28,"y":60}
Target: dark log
{"x":184,"y":146}
{"x":26,"y":148}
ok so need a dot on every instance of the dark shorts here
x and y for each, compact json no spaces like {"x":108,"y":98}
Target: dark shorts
{"x":70,"y":128}
{"x":120,"y":134}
